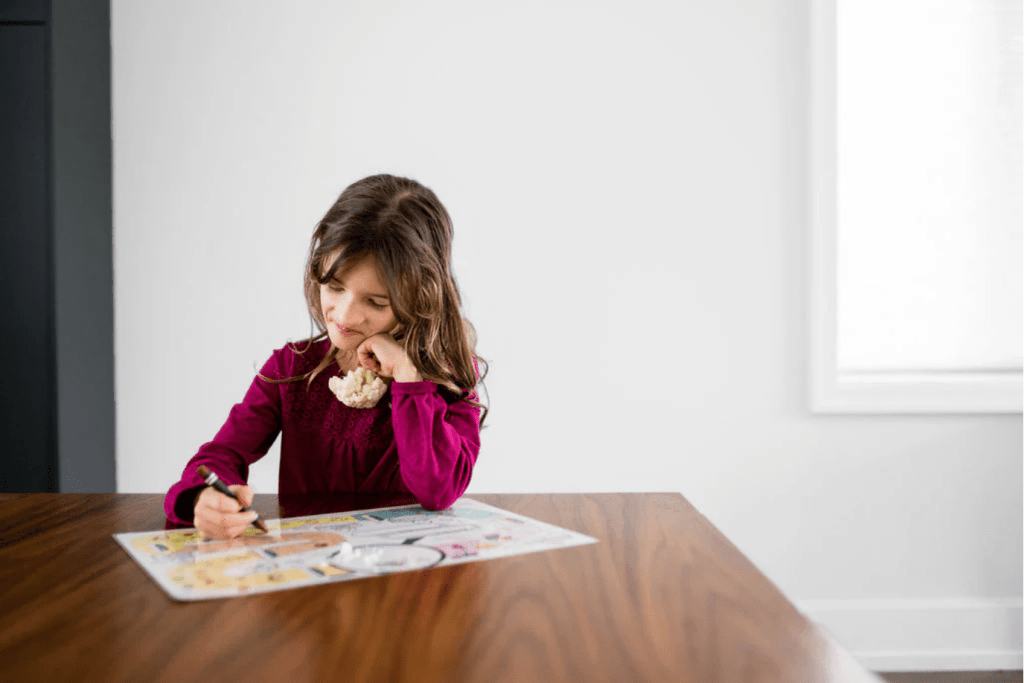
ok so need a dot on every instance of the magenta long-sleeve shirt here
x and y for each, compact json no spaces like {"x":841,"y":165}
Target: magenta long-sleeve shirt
{"x":416,"y":439}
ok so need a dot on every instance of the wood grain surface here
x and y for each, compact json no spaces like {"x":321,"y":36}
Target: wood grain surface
{"x":662,"y":596}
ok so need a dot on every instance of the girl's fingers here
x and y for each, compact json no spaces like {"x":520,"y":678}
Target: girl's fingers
{"x":366,"y":353}
{"x":233,"y":519}
{"x":238,"y":531}
{"x":217,"y":524}
{"x":220,"y":517}
{"x":244,"y":494}
{"x":213,"y":499}
{"x":227,"y":503}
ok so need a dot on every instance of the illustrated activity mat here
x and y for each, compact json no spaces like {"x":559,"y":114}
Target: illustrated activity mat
{"x":306,"y":551}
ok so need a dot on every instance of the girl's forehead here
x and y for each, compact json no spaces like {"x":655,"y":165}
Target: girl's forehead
{"x":332,"y":257}
{"x":364,"y":265}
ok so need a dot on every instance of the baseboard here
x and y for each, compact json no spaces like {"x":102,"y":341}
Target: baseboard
{"x":952,"y":634}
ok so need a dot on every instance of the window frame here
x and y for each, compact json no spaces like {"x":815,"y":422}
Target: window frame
{"x":832,"y":390}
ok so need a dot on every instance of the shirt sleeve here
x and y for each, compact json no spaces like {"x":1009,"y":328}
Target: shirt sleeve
{"x":250,"y":430}
{"x":438,"y":443}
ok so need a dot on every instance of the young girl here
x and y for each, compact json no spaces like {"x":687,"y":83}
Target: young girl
{"x":380,"y":290}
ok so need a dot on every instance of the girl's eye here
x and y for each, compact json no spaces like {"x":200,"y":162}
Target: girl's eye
{"x":338,"y":288}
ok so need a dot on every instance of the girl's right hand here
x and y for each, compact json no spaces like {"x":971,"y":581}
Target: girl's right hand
{"x":219,"y":516}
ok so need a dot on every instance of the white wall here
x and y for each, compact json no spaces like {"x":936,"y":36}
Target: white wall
{"x":628,"y":183}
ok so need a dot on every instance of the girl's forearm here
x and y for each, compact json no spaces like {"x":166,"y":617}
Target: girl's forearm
{"x":437,"y":445}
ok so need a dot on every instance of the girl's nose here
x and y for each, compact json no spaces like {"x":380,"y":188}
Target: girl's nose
{"x":345,"y":313}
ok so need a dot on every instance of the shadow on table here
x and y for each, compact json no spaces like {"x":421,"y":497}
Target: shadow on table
{"x":301,"y":505}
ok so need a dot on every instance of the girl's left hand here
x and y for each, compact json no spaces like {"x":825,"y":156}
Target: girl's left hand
{"x":382,"y":354}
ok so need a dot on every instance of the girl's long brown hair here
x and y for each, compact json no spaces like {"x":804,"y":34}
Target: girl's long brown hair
{"x":404,"y":226}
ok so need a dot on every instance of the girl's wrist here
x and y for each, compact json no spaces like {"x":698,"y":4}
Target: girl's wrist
{"x":408,"y":374}
{"x":195,"y":498}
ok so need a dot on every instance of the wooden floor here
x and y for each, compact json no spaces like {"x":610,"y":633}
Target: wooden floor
{"x":954,"y":677}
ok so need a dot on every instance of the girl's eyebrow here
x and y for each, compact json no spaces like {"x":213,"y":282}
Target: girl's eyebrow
{"x":376,"y":296}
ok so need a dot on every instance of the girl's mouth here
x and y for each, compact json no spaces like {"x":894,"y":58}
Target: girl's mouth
{"x":345,"y":331}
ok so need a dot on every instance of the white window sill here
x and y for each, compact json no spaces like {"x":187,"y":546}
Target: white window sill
{"x":916,"y":392}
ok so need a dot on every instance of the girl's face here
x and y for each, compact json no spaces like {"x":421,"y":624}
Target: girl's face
{"x":355,"y":304}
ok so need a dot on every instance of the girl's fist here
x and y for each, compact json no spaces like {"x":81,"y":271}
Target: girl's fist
{"x":219,"y":516}
{"x":383,"y":355}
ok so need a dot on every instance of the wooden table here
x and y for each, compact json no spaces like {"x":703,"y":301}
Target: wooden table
{"x":662,"y":596}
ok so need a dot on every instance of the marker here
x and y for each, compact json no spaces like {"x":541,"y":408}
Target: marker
{"x":211,"y":479}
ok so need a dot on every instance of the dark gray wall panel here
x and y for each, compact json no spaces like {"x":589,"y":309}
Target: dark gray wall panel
{"x":28,"y":459}
{"x":83,"y":245}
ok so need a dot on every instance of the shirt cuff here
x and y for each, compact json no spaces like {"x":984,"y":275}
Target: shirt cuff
{"x":407,"y":388}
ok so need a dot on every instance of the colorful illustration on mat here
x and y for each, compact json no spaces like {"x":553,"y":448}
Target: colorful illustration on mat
{"x":306,"y":551}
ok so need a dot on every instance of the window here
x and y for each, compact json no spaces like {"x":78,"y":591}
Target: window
{"x":916,"y":206}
